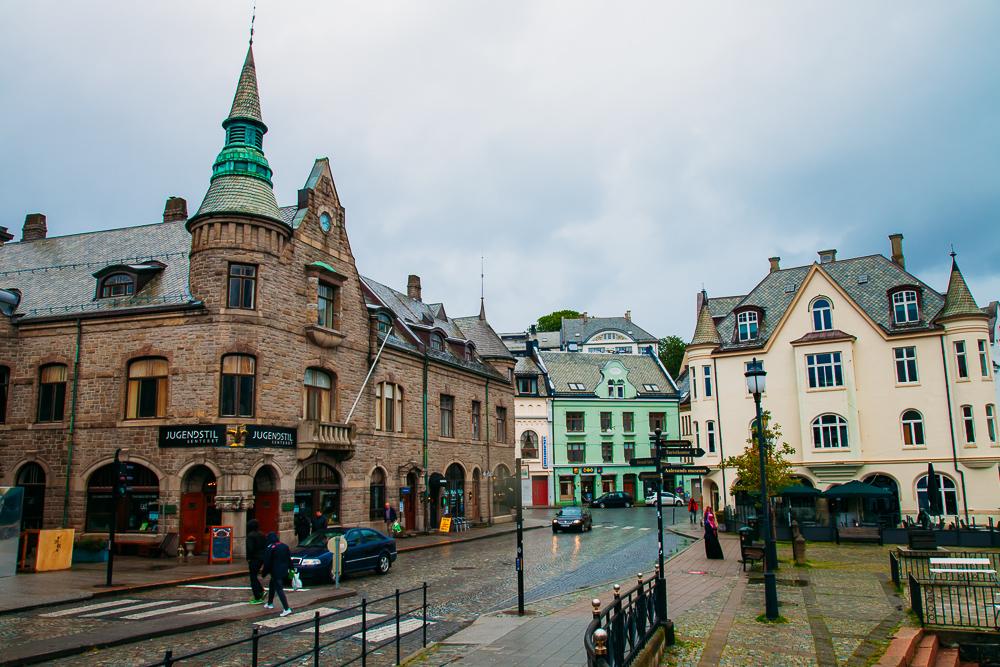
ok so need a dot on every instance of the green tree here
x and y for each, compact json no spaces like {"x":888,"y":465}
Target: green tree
{"x":777,"y":465}
{"x":553,"y":321}
{"x":671,"y":351}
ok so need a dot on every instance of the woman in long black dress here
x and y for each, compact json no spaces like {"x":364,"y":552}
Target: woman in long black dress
{"x":713,"y":550}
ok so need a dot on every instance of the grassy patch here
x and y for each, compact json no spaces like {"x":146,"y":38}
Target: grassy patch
{"x":764,"y":619}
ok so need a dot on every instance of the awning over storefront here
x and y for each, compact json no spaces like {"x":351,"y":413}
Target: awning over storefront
{"x":857,"y":489}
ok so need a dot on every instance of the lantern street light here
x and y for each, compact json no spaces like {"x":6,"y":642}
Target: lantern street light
{"x":755,"y":385}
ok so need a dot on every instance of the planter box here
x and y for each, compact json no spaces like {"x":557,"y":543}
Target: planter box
{"x":90,"y":555}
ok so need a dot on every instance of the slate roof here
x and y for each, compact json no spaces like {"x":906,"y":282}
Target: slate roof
{"x":488,"y":343}
{"x":526,"y":366}
{"x":684,"y":385}
{"x":246,"y":101}
{"x":56,"y":275}
{"x":705,"y":332}
{"x":593,"y":325}
{"x":412,"y":311}
{"x":720,"y":306}
{"x":585,"y":368}
{"x":958,"y":301}
{"x":235,"y":193}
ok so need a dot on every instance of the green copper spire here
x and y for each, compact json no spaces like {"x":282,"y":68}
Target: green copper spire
{"x":241,"y":176}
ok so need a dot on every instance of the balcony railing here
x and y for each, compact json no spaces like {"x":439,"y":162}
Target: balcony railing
{"x":317,"y":436}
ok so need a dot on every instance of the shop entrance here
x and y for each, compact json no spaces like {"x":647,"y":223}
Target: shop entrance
{"x":607,"y":483}
{"x":435,"y":487}
{"x":628,"y":485}
{"x":266,"y":503}
{"x":477,"y":482}
{"x":586,"y":488}
{"x":317,"y":489}
{"x":198,"y":510}
{"x":409,"y":499}
{"x":31,"y":478}
{"x":540,"y":491}
{"x":454,"y":504}
{"x":138,"y":511}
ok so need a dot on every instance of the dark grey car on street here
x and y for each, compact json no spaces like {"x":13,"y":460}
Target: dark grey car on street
{"x":572,"y":518}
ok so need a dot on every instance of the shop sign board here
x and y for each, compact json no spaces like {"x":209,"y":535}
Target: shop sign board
{"x":685,"y":470}
{"x":215,"y":435}
{"x":220,"y":548}
{"x":445,"y":526}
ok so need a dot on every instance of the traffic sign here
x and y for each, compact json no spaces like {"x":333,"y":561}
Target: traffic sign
{"x":685,"y":470}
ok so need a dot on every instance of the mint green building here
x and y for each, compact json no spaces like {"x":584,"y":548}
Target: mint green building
{"x":604,"y":408}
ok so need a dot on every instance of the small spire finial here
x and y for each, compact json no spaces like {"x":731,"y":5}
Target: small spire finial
{"x":253,"y":17}
{"x":953,"y":253}
{"x":482,"y":287}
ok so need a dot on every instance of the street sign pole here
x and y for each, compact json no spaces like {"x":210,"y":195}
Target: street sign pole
{"x":115,"y":497}
{"x":661,"y":575}
{"x":520,"y":542}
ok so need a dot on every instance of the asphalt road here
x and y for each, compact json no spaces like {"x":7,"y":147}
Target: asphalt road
{"x":464,"y":581}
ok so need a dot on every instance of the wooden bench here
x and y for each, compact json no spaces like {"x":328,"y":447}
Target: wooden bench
{"x":859,"y":534}
{"x":750,"y":554}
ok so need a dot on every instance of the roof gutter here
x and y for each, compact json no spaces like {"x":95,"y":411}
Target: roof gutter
{"x":98,"y":314}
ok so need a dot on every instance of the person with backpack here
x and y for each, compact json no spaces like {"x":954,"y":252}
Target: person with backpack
{"x":256,"y":543}
{"x":277,"y":563}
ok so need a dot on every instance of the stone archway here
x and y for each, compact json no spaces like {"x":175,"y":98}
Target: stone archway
{"x":31,"y":477}
{"x":318,"y":489}
{"x":198,"y":511}
{"x":266,"y":500}
{"x":454,"y":501}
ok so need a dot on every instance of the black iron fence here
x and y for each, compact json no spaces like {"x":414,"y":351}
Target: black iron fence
{"x":341,"y":637}
{"x":621,"y":630}
{"x":903,"y":564}
{"x":956,"y":605}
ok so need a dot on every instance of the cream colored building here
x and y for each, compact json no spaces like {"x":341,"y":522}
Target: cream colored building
{"x":871,"y":374}
{"x":533,"y":430}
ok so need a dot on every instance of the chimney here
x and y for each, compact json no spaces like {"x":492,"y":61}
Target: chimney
{"x":897,"y":250}
{"x":827,"y":256}
{"x":775,"y":264}
{"x":413,"y":287}
{"x":584,"y":316}
{"x":628,"y":315}
{"x":34,"y":227}
{"x":5,"y":236}
{"x":176,"y":209}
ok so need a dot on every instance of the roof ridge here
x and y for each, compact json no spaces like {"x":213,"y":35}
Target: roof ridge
{"x":94,"y":231}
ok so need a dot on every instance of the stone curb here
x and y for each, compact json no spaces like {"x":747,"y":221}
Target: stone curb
{"x":460,"y":540}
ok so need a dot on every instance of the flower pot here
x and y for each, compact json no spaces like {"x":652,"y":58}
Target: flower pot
{"x":189,"y":548}
{"x":90,"y":555}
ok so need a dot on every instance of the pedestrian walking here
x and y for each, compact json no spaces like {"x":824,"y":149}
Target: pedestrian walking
{"x":693,"y":509}
{"x":389,"y":516}
{"x":713,"y":550}
{"x":277,"y":562}
{"x":256,"y":543}
{"x":318,"y":522}
{"x":302,"y":526}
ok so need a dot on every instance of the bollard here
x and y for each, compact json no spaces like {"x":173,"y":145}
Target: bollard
{"x":799,"y":550}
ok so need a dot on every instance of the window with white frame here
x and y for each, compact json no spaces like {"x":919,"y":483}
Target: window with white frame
{"x":388,"y":407}
{"x":822,"y":314}
{"x":984,"y":359}
{"x":825,"y":370}
{"x":747,"y":325}
{"x":913,"y":428}
{"x":961,"y":363}
{"x":968,"y":424}
{"x":991,"y":422}
{"x":710,"y":435}
{"x":830,"y":432}
{"x":904,"y":307}
{"x":697,"y":435}
{"x":708,"y":381}
{"x":906,"y":364}
{"x":949,"y":494}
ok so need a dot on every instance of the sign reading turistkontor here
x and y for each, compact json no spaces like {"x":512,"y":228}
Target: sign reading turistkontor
{"x":251,"y":435}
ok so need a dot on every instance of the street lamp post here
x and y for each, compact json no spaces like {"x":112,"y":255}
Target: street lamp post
{"x":756,"y":385}
{"x":520,"y":541}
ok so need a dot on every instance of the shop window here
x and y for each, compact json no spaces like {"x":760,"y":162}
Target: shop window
{"x":147,"y":389}
{"x":320,"y":397}
{"x":137,"y":510}
{"x":52,"y":393}
{"x":567,"y":488}
{"x":239,"y":373}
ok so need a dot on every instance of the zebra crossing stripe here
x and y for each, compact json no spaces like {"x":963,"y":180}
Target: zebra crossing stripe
{"x":627,"y":527}
{"x":293,"y":618}
{"x":344,"y":623}
{"x":135,"y":607}
{"x":89,"y":607}
{"x":168,"y":610}
{"x":380,"y":634}
{"x":645,"y":528}
{"x":211,"y":609}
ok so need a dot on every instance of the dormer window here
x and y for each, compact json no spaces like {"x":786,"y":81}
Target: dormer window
{"x":437,"y":342}
{"x":822,"y":313}
{"x":384,"y":323}
{"x":747,"y":325}
{"x":117,"y":285}
{"x":905,"y":307}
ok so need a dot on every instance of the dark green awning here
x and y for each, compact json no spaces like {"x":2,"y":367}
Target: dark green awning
{"x":857,"y":489}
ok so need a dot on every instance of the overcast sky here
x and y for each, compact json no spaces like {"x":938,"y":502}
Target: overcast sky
{"x":602,"y":156}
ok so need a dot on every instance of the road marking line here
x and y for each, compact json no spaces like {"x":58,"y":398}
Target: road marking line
{"x":211,"y":609}
{"x":89,"y":607}
{"x":627,"y":527}
{"x":135,"y":607}
{"x":344,"y":623}
{"x":293,"y":618}
{"x":382,"y":633}
{"x":168,"y":610}
{"x":645,"y":528}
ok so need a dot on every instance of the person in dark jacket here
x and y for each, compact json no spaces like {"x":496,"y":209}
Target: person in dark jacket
{"x":302,"y":527}
{"x":256,"y":543}
{"x":277,"y":562}
{"x":319,"y":522}
{"x":389,"y":516}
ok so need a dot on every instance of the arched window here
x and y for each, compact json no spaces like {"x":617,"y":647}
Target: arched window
{"x":830,"y":432}
{"x":317,"y":489}
{"x":822,"y":314}
{"x":747,"y":325}
{"x":913,"y":428}
{"x":529,"y":445}
{"x":239,"y":372}
{"x":141,"y":498}
{"x":31,"y":477}
{"x":376,"y":495}
{"x":503,"y":491}
{"x":388,"y":407}
{"x":905,"y":307}
{"x":320,"y":396}
{"x":710,"y":434}
{"x":147,"y":389}
{"x":949,"y":494}
{"x":4,"y":388}
{"x":52,"y":393}
{"x":117,"y":285}
{"x":437,"y":342}
{"x":384,"y":323}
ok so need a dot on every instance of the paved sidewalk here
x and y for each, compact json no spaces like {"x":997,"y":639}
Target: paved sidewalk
{"x":133,"y":573}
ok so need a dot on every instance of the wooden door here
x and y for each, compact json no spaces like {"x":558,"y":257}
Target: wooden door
{"x":629,"y":484}
{"x":540,"y":491}
{"x":266,"y":507}
{"x":193,"y":520}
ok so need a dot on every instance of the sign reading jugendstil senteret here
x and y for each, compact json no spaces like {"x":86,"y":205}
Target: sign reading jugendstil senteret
{"x":219,"y":435}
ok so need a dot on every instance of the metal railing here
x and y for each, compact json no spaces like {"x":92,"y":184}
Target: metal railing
{"x":956,"y":605}
{"x":357,"y":622}
{"x":621,"y":630}
{"x":903,"y":564}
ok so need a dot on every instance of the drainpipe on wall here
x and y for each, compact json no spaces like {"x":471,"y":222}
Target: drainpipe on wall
{"x":718,"y":432}
{"x":72,"y":422}
{"x":427,"y":489}
{"x":951,"y":423}
{"x":489,"y":480}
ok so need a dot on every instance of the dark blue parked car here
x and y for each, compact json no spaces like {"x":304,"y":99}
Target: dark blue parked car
{"x":367,"y":549}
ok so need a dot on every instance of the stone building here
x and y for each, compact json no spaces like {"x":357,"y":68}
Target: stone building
{"x":243,"y":367}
